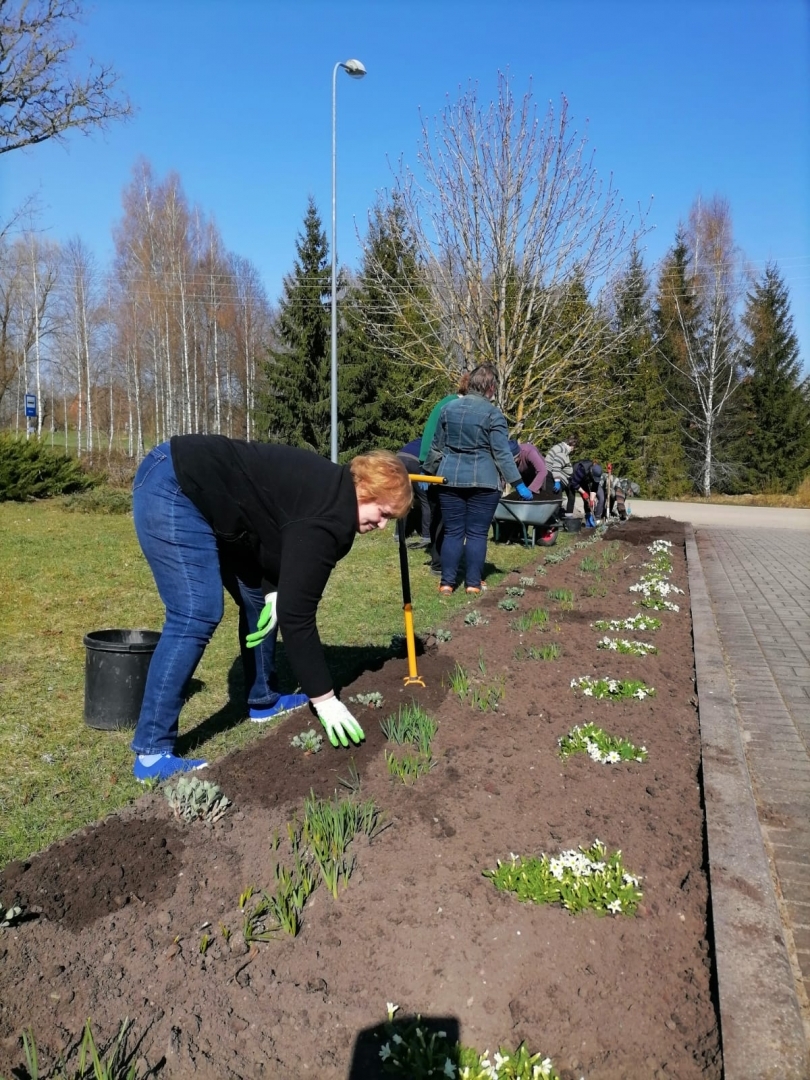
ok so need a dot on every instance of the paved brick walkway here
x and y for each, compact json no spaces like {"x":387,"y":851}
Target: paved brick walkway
{"x":759,"y":587}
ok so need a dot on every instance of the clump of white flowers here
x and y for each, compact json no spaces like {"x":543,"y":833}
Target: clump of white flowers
{"x":579,"y":879}
{"x":611,"y":688}
{"x":599,"y":746}
{"x":629,"y":648}
{"x":412,"y":1049}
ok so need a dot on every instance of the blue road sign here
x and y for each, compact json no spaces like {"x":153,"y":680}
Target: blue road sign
{"x":30,"y":404}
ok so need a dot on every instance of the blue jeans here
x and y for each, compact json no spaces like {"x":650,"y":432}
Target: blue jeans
{"x":182,"y":552}
{"x":467,"y":514}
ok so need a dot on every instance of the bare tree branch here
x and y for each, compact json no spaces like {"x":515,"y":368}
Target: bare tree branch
{"x":511,"y":219}
{"x":40,"y":98}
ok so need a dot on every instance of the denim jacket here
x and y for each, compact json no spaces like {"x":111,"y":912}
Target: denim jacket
{"x":471,"y":445}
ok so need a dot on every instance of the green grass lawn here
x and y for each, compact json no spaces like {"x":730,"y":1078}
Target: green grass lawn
{"x":65,"y":574}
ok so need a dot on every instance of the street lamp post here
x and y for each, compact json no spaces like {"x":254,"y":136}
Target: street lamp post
{"x":357,"y":71}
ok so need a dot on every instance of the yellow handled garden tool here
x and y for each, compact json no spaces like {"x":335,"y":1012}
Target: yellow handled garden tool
{"x":407,"y":605}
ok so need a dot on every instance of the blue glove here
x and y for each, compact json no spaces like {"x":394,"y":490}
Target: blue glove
{"x":589,"y":521}
{"x":422,"y":485}
{"x":557,"y":485}
{"x":523,"y":492}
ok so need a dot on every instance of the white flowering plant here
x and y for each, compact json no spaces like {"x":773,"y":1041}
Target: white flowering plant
{"x":599,"y":746}
{"x":579,"y":880}
{"x":654,"y":586}
{"x":627,"y":648}
{"x":655,"y":590}
{"x":634,"y":622}
{"x":612,"y":688}
{"x":413,"y":1049}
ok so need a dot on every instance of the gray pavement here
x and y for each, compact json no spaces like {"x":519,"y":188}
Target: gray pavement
{"x":749,"y":578}
{"x":720,"y":515}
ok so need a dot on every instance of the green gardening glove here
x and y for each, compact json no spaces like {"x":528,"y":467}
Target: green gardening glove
{"x":267,"y":621}
{"x":338,"y":722}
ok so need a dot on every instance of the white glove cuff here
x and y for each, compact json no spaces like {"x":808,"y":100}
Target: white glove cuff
{"x":331,"y":710}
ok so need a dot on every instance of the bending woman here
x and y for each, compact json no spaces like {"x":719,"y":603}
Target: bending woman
{"x":470,"y":449}
{"x":268,"y":523}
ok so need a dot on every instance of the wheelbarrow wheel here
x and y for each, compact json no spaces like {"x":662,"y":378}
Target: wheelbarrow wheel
{"x":547,"y":538}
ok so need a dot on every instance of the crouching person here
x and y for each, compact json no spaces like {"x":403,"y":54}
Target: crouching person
{"x":620,"y":491}
{"x":269,"y":523}
{"x":587,"y":480}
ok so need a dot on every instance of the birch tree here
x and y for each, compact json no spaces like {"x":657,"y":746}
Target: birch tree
{"x":79,"y":320}
{"x":705,"y":319}
{"x":508,"y":214}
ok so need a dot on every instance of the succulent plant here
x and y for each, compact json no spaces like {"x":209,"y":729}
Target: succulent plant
{"x":373,"y":699}
{"x":308,"y":741}
{"x":8,"y":916}
{"x":193,"y":799}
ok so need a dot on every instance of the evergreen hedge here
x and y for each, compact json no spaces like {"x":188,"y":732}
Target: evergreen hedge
{"x":31,"y":470}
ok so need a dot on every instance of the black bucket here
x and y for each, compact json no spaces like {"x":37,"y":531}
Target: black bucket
{"x":573,"y":524}
{"x":115,"y":671}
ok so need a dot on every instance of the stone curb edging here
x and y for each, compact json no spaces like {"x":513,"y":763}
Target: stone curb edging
{"x":761,"y":1026}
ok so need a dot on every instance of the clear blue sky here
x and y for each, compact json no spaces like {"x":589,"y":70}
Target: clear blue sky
{"x":680,"y":97}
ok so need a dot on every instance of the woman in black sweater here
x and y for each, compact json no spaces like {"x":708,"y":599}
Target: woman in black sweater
{"x":268,"y":523}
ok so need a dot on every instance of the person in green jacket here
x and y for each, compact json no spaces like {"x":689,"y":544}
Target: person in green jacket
{"x":436,"y":524}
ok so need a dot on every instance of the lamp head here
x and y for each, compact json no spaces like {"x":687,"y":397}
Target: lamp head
{"x":355,"y":68}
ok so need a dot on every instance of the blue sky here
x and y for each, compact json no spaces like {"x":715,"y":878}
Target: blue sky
{"x":678,"y":97}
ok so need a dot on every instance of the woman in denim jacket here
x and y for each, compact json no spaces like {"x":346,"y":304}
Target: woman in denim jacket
{"x":471,"y":451}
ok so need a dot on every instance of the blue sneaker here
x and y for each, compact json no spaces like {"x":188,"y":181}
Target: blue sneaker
{"x":286,"y":703}
{"x":165,"y":766}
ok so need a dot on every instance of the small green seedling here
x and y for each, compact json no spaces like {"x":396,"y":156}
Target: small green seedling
{"x":508,"y":604}
{"x":516,"y":590}
{"x":329,"y":827}
{"x":373,"y":699}
{"x":475,"y":618}
{"x":205,"y":941}
{"x":351,"y":783}
{"x":590,"y":565}
{"x":443,"y":635}
{"x":308,"y":741}
{"x":526,"y":582}
{"x":459,"y":681}
{"x":407,"y":767}
{"x":537,"y":619}
{"x":562,"y":596}
{"x":193,"y":799}
{"x":109,"y":1064}
{"x":410,"y":725}
{"x":487,"y":698}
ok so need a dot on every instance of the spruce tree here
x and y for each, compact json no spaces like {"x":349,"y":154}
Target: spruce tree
{"x":675,"y":309}
{"x":778,"y":438}
{"x":383,"y":399}
{"x":641,"y":439}
{"x":294,"y":404}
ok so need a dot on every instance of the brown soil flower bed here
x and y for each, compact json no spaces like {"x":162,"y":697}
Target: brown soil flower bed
{"x":116,"y":913}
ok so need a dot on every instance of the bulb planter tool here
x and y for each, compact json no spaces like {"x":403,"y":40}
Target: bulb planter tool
{"x":413,"y":677}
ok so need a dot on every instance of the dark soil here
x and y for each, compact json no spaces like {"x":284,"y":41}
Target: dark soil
{"x":116,"y":913}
